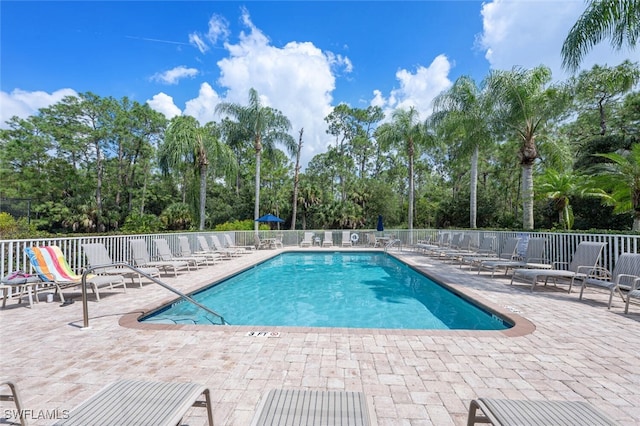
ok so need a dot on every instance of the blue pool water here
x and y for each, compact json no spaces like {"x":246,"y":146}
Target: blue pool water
{"x":336,"y":289}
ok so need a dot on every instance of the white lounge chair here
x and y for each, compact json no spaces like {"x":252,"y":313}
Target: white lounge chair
{"x":131,"y":402}
{"x":241,"y":249}
{"x":203,"y":258}
{"x":508,"y":252}
{"x":307,"y":240}
{"x":165,"y":253}
{"x":346,"y":239}
{"x":583,"y":264}
{"x":533,"y":258}
{"x":97,"y":254}
{"x":142,"y":259}
{"x":328,"y":239}
{"x":634,"y":293}
{"x":312,"y":407}
{"x":625,"y":272}
{"x":220,"y":248}
{"x":535,"y":413}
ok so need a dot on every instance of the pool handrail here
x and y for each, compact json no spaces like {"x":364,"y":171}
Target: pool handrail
{"x":85,"y":303}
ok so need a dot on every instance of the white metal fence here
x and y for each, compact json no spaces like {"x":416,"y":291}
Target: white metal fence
{"x":560,"y":246}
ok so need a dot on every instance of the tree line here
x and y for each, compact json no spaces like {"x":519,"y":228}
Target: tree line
{"x":513,"y":151}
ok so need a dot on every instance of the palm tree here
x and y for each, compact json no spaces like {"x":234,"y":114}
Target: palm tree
{"x":622,"y":177}
{"x":462,"y":113}
{"x":617,"y":20}
{"x":523,"y":105}
{"x":186,"y":141}
{"x":560,"y":187}
{"x":405,"y":130}
{"x":265,"y":126}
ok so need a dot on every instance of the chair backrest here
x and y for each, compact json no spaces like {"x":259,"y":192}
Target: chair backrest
{"x":628,"y":264}
{"x":139,"y":252}
{"x":308,"y":237}
{"x":162,"y":247}
{"x":346,"y":237}
{"x":96,"y":254}
{"x":216,"y":242}
{"x":587,"y":254}
{"x":328,"y":236}
{"x":50,"y":264}
{"x":444,"y":239}
{"x":185,"y":248}
{"x":228,"y":240}
{"x":535,"y":250}
{"x":487,"y":244}
{"x":509,"y":250}
{"x":204,"y":245}
{"x":465,"y":242}
{"x":455,"y":241}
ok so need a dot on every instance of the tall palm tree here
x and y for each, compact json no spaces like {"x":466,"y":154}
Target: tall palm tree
{"x":462,"y":113}
{"x":622,"y":177}
{"x":524,"y":103}
{"x":616,"y":20}
{"x":265,"y":126}
{"x":408,"y":132}
{"x":186,"y":141}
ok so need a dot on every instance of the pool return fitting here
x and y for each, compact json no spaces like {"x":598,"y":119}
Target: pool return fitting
{"x":85,"y":302}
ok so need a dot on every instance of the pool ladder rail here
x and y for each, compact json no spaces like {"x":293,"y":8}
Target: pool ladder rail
{"x":85,"y":304}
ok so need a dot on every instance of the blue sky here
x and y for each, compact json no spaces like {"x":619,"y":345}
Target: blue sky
{"x":303,"y":57}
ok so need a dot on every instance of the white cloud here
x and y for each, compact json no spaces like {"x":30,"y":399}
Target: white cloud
{"x":203,"y":107}
{"x":174,"y":75}
{"x":23,"y":104}
{"x":218,"y":29}
{"x":196,"y":40}
{"x":164,"y":104}
{"x":531,"y":33}
{"x":416,"y":89}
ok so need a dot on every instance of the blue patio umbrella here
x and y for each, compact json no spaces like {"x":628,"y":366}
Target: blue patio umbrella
{"x":380,"y":226}
{"x":269,"y":218}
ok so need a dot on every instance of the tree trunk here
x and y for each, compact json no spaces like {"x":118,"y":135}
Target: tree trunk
{"x":296,"y":181}
{"x":256,"y":208}
{"x":527,"y":196}
{"x":473,"y":190}
{"x":203,"y":195}
{"x":411,"y":181}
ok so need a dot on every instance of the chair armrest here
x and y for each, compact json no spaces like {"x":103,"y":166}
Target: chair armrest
{"x":556,"y":265}
{"x":625,"y":286}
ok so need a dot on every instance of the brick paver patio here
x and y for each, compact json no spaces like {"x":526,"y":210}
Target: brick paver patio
{"x":563,"y":349}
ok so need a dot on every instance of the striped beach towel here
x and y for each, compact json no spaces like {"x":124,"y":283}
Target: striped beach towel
{"x":50,"y":264}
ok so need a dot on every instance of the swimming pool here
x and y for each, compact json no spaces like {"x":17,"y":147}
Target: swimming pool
{"x":332,"y":289}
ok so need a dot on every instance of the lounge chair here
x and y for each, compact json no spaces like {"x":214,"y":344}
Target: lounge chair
{"x":263,"y":244}
{"x":231,"y":245}
{"x":346,"y":239}
{"x":165,"y":253}
{"x":460,"y":248}
{"x":97,"y":254}
{"x":142,"y":259}
{"x":533,"y":258}
{"x":220,"y":248}
{"x":131,"y":402}
{"x":441,"y":241}
{"x":328,"y":239}
{"x":486,"y":249}
{"x":634,"y":293}
{"x":307,"y":241}
{"x":51,"y":266}
{"x":17,"y":285}
{"x":312,"y":407}
{"x":625,"y":272}
{"x":14,"y":396}
{"x":203,"y":258}
{"x":535,"y":413}
{"x":583,"y":265}
{"x":508,"y":252}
